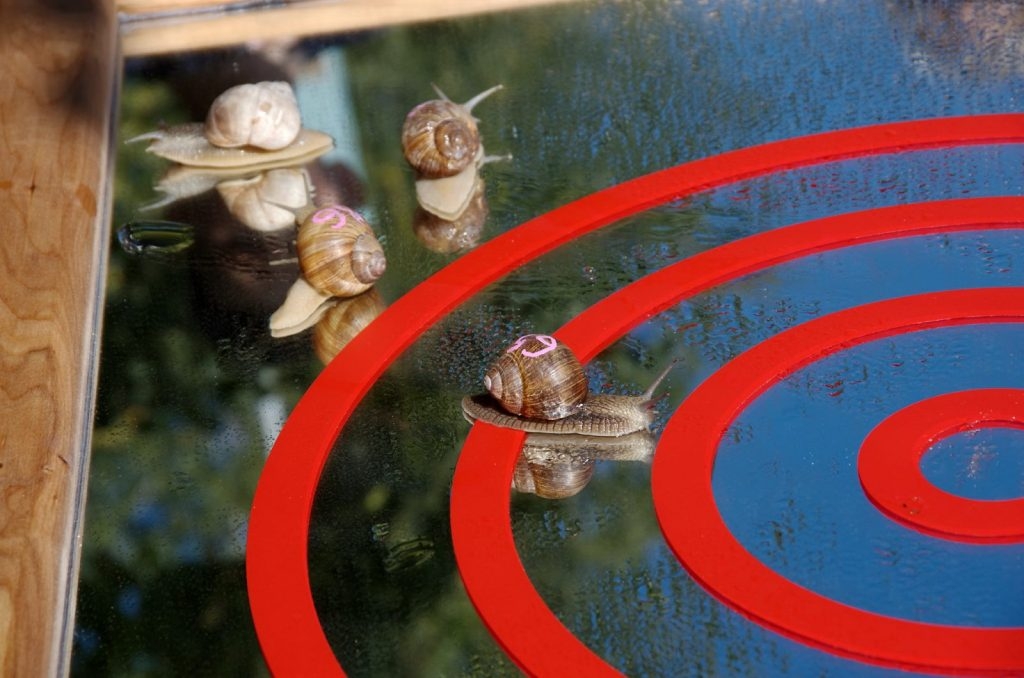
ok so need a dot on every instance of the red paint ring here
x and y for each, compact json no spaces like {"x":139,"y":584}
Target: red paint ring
{"x":481,"y":532}
{"x":685,"y":503}
{"x":283,"y":611}
{"x":889,"y":466}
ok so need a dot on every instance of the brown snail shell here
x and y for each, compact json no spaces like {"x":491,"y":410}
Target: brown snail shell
{"x":537,"y":378}
{"x":598,"y":415}
{"x":342,"y":321}
{"x":339,"y":254}
{"x":262,"y":115}
{"x":440,"y":138}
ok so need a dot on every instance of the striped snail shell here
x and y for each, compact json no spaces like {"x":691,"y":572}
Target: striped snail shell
{"x":440,"y":138}
{"x":263,"y":114}
{"x":339,"y":254}
{"x":537,"y":378}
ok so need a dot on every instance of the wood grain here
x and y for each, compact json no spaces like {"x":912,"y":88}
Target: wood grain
{"x":57,"y":75}
{"x":193,"y":31}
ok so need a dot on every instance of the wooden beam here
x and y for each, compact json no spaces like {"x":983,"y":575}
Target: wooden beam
{"x":146,"y":31}
{"x":58,"y":64}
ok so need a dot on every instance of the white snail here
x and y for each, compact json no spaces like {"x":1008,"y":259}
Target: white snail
{"x":248,"y":127}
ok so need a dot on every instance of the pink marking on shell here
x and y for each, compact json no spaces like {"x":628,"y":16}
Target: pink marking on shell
{"x":550,"y":343}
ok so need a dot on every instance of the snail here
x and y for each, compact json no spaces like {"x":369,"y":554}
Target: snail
{"x":269,"y":200}
{"x":440,"y":138}
{"x":339,"y":256}
{"x":539,"y":386}
{"x":441,"y":141}
{"x":249,"y":126}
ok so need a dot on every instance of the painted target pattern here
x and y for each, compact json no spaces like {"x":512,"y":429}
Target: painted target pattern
{"x":289,"y":631}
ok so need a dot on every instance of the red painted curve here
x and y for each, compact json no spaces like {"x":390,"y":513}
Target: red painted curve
{"x":889,"y":466}
{"x":481,"y":532}
{"x":284,"y":614}
{"x":694,"y":529}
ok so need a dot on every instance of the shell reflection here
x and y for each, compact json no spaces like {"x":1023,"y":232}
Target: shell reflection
{"x":342,"y":320}
{"x":556,"y":466}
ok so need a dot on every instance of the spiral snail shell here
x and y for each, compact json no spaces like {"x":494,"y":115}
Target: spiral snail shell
{"x":539,"y":386}
{"x":551,"y":473}
{"x":440,"y":138}
{"x":339,"y":254}
{"x":558,"y":466}
{"x":263,"y":114}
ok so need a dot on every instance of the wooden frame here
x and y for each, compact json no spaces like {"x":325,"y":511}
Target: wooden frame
{"x":59,"y":71}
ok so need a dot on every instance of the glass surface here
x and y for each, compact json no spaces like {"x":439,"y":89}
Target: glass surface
{"x":194,"y":389}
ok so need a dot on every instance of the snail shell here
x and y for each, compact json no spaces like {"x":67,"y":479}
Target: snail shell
{"x":537,"y":378}
{"x":263,"y":114}
{"x":338,"y":252}
{"x":440,"y":138}
{"x":593,"y":415}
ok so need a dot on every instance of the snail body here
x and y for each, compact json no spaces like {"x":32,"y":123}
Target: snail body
{"x":440,"y":138}
{"x":187,"y":144}
{"x":512,"y":394}
{"x":445,"y":236}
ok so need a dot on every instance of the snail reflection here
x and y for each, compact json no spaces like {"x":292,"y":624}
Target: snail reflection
{"x":442,"y":143}
{"x":559,"y":466}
